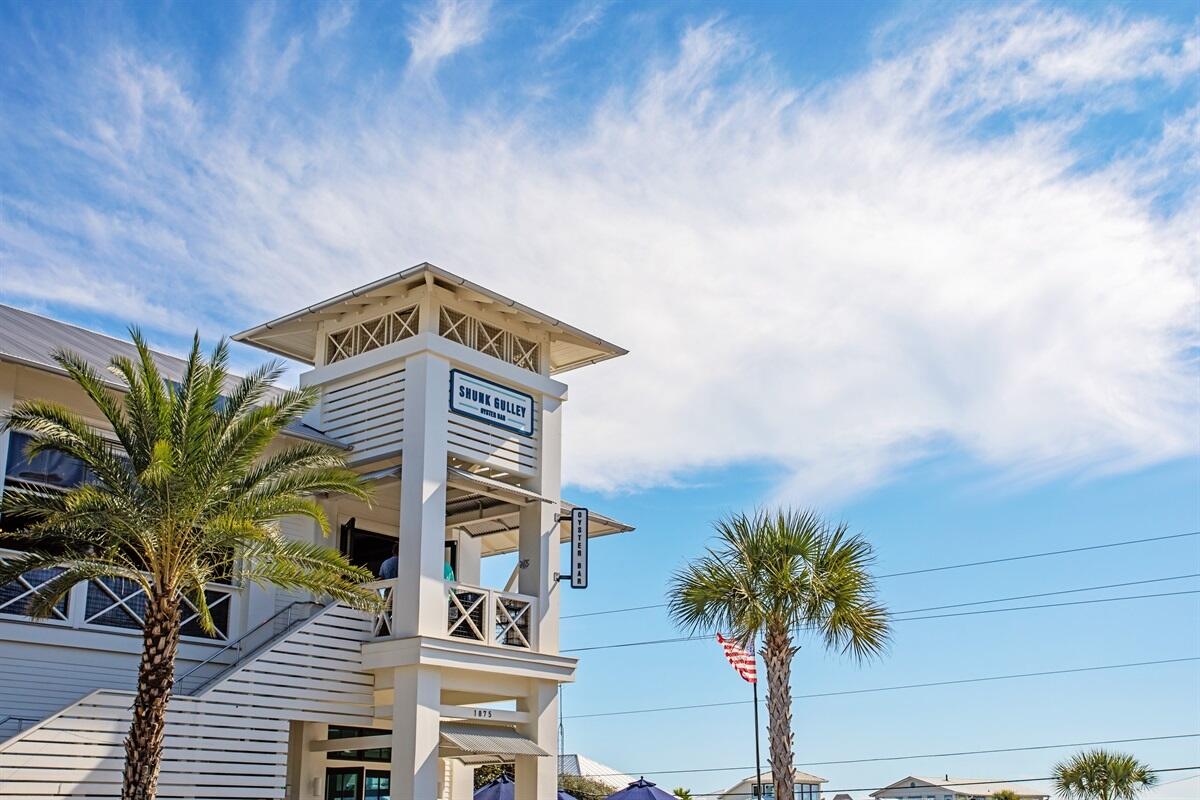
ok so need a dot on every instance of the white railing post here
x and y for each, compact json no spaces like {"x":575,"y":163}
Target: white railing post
{"x":77,"y":604}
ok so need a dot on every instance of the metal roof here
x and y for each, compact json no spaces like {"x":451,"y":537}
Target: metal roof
{"x":294,"y":335}
{"x":31,"y":339}
{"x":484,"y":740}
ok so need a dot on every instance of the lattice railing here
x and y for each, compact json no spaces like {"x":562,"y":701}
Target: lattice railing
{"x":16,"y":596}
{"x":121,"y":603}
{"x":372,"y":334}
{"x":472,"y":613}
{"x":487,"y":338}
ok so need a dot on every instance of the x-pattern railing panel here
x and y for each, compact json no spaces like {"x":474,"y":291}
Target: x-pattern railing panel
{"x":371,"y":334}
{"x":468,"y":607}
{"x":512,"y":621}
{"x":16,"y":596}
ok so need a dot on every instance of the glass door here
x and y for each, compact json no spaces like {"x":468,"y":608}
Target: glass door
{"x":343,"y":783}
{"x":377,"y":785}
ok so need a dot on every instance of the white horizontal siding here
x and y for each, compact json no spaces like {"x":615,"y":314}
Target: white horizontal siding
{"x":230,"y":741}
{"x":490,"y":445}
{"x":366,"y":412}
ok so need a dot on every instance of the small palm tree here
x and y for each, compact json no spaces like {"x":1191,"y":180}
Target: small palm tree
{"x":1005,"y":794}
{"x":682,"y":793}
{"x":770,"y":576}
{"x":186,"y":495}
{"x":1102,"y":775}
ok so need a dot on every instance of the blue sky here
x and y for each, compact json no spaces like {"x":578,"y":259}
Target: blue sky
{"x":930,"y":267}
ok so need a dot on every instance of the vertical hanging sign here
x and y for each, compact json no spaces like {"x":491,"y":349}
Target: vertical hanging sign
{"x":579,"y":548}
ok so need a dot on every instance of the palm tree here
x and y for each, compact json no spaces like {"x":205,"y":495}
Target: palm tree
{"x":682,"y":793}
{"x":1102,"y":775}
{"x":1005,"y":794}
{"x":184,"y":495}
{"x":770,"y":576}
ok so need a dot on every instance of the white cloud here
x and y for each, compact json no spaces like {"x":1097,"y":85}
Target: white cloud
{"x":332,"y":18}
{"x":577,"y":23}
{"x":836,"y":281}
{"x":444,"y":28}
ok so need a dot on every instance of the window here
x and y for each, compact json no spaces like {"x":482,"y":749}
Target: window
{"x":372,"y":754}
{"x":806,"y":791}
{"x":47,"y":469}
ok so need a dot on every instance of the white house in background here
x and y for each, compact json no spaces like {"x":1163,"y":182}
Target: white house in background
{"x":445,"y":396}
{"x":947,"y":788}
{"x":581,"y":766}
{"x":807,"y":787}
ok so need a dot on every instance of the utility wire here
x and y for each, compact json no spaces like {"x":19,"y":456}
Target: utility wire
{"x":955,"y":783}
{"x":1026,"y":748}
{"x":940,"y":569}
{"x":699,"y":637}
{"x":875,"y":689}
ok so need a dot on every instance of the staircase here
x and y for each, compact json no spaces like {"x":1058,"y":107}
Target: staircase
{"x":228,"y":740}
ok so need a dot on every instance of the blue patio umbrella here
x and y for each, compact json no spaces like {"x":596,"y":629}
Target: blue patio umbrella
{"x":499,"y":789}
{"x":502,"y":789}
{"x":641,"y":789}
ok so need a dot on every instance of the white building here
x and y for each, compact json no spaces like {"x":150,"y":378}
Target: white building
{"x":947,"y":788}
{"x":445,"y":396}
{"x":806,"y":787}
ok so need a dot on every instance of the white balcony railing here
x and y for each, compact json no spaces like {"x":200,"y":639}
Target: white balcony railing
{"x":473,"y":613}
{"x":113,"y":603}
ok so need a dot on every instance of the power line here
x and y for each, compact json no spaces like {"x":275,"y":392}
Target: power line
{"x":876,"y":689}
{"x":955,"y":783}
{"x":905,"y":619}
{"x":1026,"y":748}
{"x":1054,"y":593}
{"x":939,"y":569}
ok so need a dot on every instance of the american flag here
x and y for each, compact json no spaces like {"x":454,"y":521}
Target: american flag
{"x":741,"y":660}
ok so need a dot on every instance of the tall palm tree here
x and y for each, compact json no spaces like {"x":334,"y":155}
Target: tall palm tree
{"x":1102,"y":775}
{"x":186,"y":494}
{"x":771,"y":576}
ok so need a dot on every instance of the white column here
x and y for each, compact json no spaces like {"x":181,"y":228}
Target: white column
{"x":539,"y":543}
{"x":8,"y":386}
{"x":420,"y":592}
{"x":470,"y":551}
{"x":416,"y":713}
{"x":308,"y":767}
{"x":536,"y":777}
{"x":462,"y":780}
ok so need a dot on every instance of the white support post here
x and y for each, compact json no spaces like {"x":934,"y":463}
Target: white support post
{"x":8,"y":388}
{"x":539,"y":540}
{"x":470,"y":553}
{"x":419,"y":596}
{"x":416,"y":718}
{"x":536,"y":777}
{"x":309,"y":767}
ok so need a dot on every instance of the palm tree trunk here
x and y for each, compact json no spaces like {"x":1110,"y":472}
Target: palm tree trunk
{"x":777,"y":654}
{"x":144,"y":745}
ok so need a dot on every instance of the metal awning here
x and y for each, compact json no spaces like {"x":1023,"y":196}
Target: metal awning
{"x":487,"y":740}
{"x":481,"y":484}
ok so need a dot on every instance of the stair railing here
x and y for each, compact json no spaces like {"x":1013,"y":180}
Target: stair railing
{"x":291,"y":615}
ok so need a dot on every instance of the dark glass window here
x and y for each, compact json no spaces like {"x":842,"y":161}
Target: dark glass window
{"x":48,"y":468}
{"x":373,"y":754}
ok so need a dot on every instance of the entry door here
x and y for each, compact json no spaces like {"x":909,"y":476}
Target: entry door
{"x":343,"y":783}
{"x":377,"y":785}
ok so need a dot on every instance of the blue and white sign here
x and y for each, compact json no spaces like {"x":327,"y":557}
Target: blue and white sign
{"x":492,"y":403}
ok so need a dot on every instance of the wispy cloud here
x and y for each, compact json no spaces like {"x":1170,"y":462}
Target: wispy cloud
{"x":834,"y":281}
{"x":580,"y":20}
{"x":443,"y":28}
{"x":333,"y":18}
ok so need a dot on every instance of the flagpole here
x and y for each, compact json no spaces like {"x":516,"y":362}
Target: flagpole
{"x":757,"y":750}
